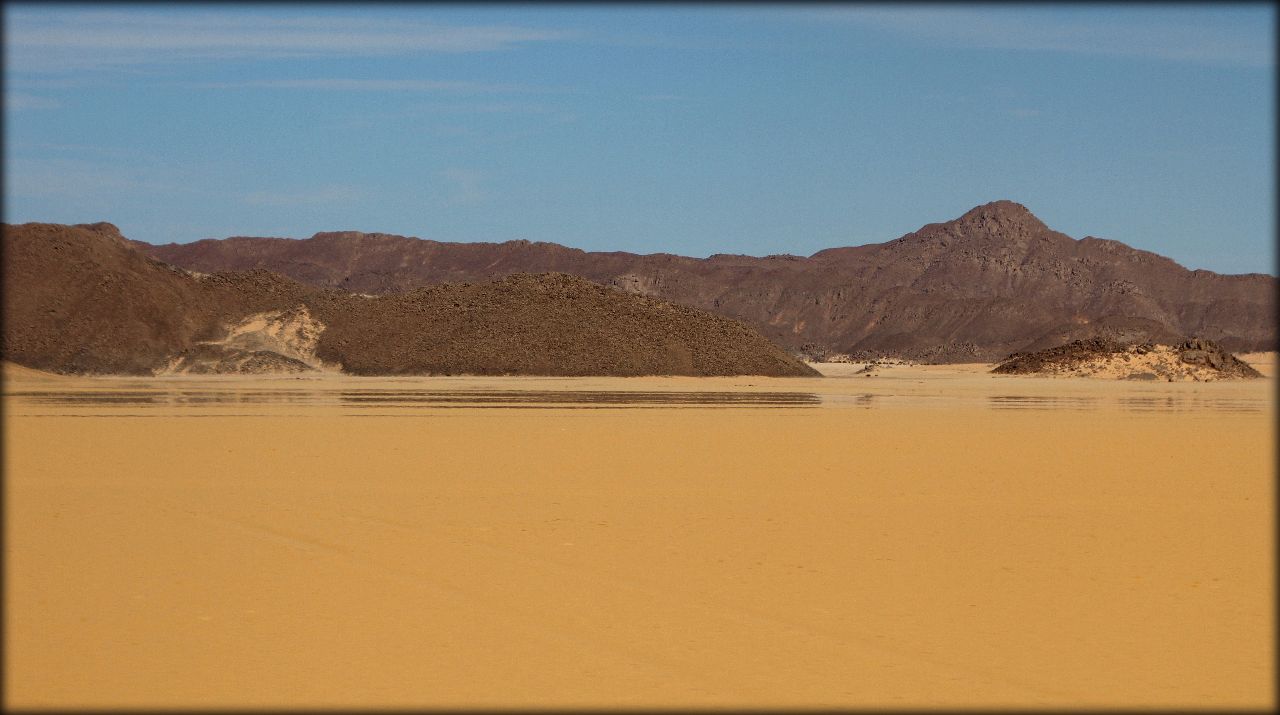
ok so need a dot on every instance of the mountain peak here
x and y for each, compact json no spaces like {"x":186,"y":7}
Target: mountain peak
{"x":1003,"y":211}
{"x":338,"y":236}
{"x":103,"y":227}
{"x":1007,"y":220}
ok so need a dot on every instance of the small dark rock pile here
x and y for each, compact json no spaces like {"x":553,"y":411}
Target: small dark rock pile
{"x":1062,"y":356}
{"x":206,"y":359}
{"x":1197,"y":353}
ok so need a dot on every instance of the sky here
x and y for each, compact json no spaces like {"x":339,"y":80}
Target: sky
{"x":690,"y":129}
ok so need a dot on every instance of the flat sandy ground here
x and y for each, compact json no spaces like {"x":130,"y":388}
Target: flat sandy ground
{"x":931,"y":537}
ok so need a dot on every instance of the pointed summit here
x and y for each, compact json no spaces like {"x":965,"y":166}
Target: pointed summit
{"x":102,"y":227}
{"x":1005,"y":212}
{"x":1001,"y":221}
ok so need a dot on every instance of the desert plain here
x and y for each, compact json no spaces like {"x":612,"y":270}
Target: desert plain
{"x":932,"y":536}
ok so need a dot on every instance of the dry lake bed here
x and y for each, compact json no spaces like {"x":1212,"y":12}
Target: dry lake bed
{"x":933,"y":536}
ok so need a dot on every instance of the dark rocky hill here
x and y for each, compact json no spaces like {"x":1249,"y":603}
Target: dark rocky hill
{"x":992,"y":282}
{"x":82,"y":299}
{"x":1194,"y":359}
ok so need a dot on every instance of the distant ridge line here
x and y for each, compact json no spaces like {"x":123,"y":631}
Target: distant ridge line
{"x":993,"y":281}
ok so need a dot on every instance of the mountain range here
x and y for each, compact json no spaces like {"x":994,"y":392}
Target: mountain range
{"x":994,"y":281}
{"x":82,"y":299}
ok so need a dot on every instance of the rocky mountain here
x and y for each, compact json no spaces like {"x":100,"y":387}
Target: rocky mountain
{"x":82,"y":299}
{"x":992,"y":282}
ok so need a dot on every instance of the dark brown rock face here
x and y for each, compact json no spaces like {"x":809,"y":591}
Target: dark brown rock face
{"x":546,"y":324}
{"x":989,"y":283}
{"x":83,"y":299}
{"x":1206,"y":353}
{"x":80,"y":299}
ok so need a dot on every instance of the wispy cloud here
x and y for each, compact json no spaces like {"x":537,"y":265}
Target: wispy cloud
{"x":464,"y":120}
{"x":336,"y":84}
{"x":1159,"y":37}
{"x":531,"y":108}
{"x":60,"y":41}
{"x":324,"y":195}
{"x":20,"y":102}
{"x":77,"y":179}
{"x":464,"y":186}
{"x":41,"y":147}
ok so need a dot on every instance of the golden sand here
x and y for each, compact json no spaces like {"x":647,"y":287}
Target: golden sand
{"x":932,"y":537}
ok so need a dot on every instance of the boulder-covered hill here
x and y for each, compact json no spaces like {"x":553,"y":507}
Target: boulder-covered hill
{"x":992,"y":282}
{"x":83,"y":299}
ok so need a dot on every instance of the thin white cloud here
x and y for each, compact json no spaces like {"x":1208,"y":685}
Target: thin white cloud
{"x":1034,"y":29}
{"x":338,"y":84}
{"x":76,"y":179}
{"x":464,"y":186}
{"x":450,"y":120}
{"x":323,"y":195}
{"x":483,"y":108}
{"x":62,"y":41}
{"x":20,"y":102}
{"x":22,"y":145}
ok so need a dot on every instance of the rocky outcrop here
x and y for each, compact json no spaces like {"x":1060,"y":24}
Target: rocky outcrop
{"x":994,"y":281}
{"x":214,"y":359}
{"x":1205,"y":353}
{"x":272,"y":342}
{"x":1195,"y":359}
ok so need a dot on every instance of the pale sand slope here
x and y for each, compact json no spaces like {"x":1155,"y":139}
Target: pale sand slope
{"x":1264,"y":363}
{"x":13,"y":372}
{"x":937,"y":553}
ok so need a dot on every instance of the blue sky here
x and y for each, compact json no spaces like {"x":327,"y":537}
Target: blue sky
{"x":688,"y":129}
